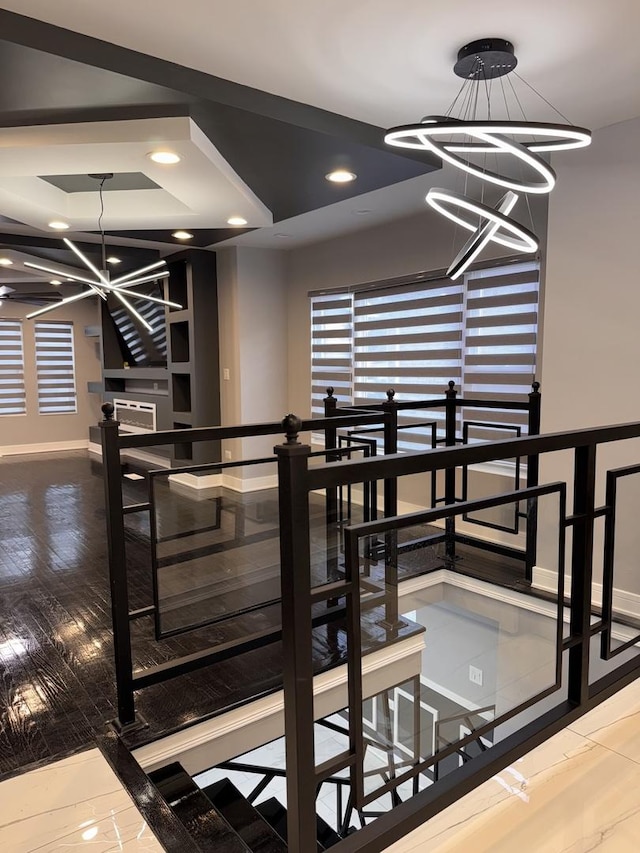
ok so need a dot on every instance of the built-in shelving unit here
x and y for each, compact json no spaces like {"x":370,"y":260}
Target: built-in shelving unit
{"x":186,"y":391}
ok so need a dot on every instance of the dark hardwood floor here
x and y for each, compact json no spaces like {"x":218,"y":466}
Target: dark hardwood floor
{"x":56,"y":672}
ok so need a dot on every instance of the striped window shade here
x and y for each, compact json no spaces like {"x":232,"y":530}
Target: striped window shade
{"x":55,"y":368}
{"x":408,"y":338}
{"x":331,"y":349}
{"x":12,"y":390}
{"x":500,"y":340}
{"x":480,"y":331}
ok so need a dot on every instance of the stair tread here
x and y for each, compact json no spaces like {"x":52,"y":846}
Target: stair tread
{"x":274,"y":812}
{"x":247,"y":821}
{"x":206,"y":825}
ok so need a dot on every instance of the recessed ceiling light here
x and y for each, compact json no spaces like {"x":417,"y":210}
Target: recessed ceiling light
{"x":341,"y":176}
{"x":166,"y":158}
{"x":182,"y":235}
{"x":6,"y":262}
{"x":236,"y":220}
{"x":55,"y":282}
{"x":113,"y":260}
{"x":57,"y":225}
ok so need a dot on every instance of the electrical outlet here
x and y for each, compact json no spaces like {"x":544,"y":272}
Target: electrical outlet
{"x":475,"y":675}
{"x":227,"y":455}
{"x":226,"y":373}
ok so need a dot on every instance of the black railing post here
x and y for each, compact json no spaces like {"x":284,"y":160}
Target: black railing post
{"x":584,"y":489}
{"x":391,"y":620}
{"x":330,"y":443}
{"x":117,"y":569}
{"x":533,"y":473}
{"x":295,"y":578}
{"x":390,"y":409}
{"x":332,"y":514}
{"x":450,"y":473}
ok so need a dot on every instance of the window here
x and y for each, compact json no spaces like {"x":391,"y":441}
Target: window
{"x":414,"y":336}
{"x":331,"y":349}
{"x":55,"y":368}
{"x":12,"y":392}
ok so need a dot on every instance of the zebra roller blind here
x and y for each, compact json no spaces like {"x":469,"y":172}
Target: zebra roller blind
{"x":12,"y":391}
{"x":55,"y":368}
{"x":480,"y":331}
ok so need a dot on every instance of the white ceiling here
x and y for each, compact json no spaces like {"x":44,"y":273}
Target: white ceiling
{"x":382,"y":62}
{"x":201,"y":191}
{"x":379,"y":61}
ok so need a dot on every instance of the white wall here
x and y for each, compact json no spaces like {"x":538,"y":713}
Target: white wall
{"x":33,"y":428}
{"x":591,"y":343}
{"x":253,"y":347}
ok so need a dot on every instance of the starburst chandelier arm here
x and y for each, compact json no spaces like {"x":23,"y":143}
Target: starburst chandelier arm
{"x":135,"y":313}
{"x":142,"y":280}
{"x":85,"y":260}
{"x":144,"y":297}
{"x":72,"y":276}
{"x":135,"y":273}
{"x":75,"y":298}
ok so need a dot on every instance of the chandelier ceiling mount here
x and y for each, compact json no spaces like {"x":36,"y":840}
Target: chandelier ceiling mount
{"x":487,"y":58}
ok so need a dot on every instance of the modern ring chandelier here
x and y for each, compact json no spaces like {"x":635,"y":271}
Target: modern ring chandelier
{"x":479,"y":148}
{"x":102,"y":285}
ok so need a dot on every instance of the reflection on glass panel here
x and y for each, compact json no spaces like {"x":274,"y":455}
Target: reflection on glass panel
{"x":478,"y":481}
{"x":214,"y":556}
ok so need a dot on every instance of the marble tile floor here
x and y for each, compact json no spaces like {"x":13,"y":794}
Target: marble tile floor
{"x":578,"y":792}
{"x":77,"y":803}
{"x":575,"y":793}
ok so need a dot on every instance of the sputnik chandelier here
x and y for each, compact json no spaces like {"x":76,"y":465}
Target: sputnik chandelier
{"x":479,"y":146}
{"x":102,"y":285}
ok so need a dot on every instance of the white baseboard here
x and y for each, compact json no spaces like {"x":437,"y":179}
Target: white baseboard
{"x":192,"y":481}
{"x":140,"y":455}
{"x":624,"y":601}
{"x":251,"y":484}
{"x":235,"y":484}
{"x":44,"y":447}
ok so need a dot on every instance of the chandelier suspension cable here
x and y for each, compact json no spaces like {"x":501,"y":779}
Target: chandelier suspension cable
{"x":542,"y":97}
{"x":524,"y":116}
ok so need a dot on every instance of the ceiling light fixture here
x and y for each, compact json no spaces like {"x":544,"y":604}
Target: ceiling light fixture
{"x":102,"y":285}
{"x":466,"y":139}
{"x":58,"y":225}
{"x":6,"y":262}
{"x":341,"y":176}
{"x":55,"y":282}
{"x":182,"y":235}
{"x":236,"y":220}
{"x":165,"y":158}
{"x":113,"y":260}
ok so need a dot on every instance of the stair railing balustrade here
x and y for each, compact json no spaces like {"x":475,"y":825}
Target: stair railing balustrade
{"x":298,"y":480}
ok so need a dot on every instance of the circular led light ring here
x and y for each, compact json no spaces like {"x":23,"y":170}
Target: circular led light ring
{"x":574,"y":137}
{"x":441,"y":200}
{"x":500,"y":142}
{"x":483,"y":235}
